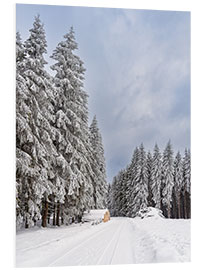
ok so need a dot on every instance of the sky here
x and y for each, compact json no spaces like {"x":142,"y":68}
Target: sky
{"x":137,"y":72}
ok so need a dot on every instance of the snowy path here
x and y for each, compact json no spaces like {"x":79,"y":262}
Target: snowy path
{"x":119,"y":241}
{"x":103,"y":247}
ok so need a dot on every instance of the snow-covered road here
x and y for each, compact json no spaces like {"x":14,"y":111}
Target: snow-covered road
{"x":105,"y":246}
{"x":119,"y":241}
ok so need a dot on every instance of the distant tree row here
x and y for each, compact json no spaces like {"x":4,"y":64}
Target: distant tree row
{"x":157,"y":180}
{"x":60,"y":166}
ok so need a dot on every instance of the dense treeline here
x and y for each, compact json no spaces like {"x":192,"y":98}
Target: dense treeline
{"x":60,"y":165}
{"x":156,"y":180}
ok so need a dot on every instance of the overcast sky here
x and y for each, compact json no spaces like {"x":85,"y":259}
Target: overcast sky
{"x":138,"y":72}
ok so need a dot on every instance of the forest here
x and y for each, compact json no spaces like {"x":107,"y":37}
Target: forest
{"x":153,"y":180}
{"x":60,"y":165}
{"x":60,"y":162}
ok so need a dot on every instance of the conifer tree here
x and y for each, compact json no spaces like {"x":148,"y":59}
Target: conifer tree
{"x":72,"y":123}
{"x":119,"y":193}
{"x":156,"y":177}
{"x":24,"y":168}
{"x":168,"y":181}
{"x":32,"y":123}
{"x":186,"y":183}
{"x":131,"y":183}
{"x":114,"y":194}
{"x":178,"y":182}
{"x":141,"y":188}
{"x":149,"y":179}
{"x":20,"y":53}
{"x":124,"y":201}
{"x":128,"y":190}
{"x":98,"y":166}
{"x":42,"y":119}
{"x":109,"y":197}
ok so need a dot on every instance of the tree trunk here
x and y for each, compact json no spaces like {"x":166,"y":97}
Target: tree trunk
{"x":58,"y":215}
{"x":62,"y":219}
{"x":174,"y":213}
{"x":188,"y":206}
{"x":79,"y":218}
{"x":95,"y":199}
{"x":45,"y":213}
{"x":54,"y":215}
{"x":169,"y":211}
{"x":178,"y":203}
{"x":26,"y":224}
{"x":185,"y":205}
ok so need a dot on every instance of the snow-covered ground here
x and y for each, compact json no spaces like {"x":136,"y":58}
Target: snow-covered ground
{"x":119,"y":241}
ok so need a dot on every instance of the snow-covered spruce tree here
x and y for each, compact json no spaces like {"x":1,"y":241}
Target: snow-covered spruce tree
{"x":128,"y":190}
{"x":39,"y":115}
{"x":168,"y":181}
{"x":178,"y":182}
{"x":98,"y":166}
{"x":118,"y":197}
{"x":149,"y":179}
{"x":20,"y":54}
{"x":114,"y":187}
{"x":24,"y":168}
{"x":131,"y":183}
{"x":27,"y":169}
{"x":156,"y":176}
{"x":118,"y":194}
{"x":109,"y":198}
{"x":118,"y":202}
{"x":43,"y":106}
{"x":140,"y":188}
{"x":124,"y":201}
{"x":72,"y":122}
{"x":186,"y":191}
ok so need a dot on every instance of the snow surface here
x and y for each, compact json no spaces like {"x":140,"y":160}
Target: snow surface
{"x":119,"y":241}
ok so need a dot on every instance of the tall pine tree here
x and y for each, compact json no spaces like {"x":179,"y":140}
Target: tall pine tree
{"x":131,"y":183}
{"x":34,"y":125}
{"x":72,"y":123}
{"x":98,"y":166}
{"x":149,"y":179}
{"x":178,"y":182}
{"x":156,"y":177}
{"x":42,"y":120}
{"x":168,"y":181}
{"x":24,"y":168}
{"x":186,"y":191}
{"x":141,"y":188}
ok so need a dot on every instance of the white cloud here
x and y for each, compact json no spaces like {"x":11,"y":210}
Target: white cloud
{"x":146,"y":75}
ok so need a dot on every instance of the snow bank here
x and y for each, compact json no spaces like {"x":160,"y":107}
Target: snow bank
{"x":161,"y":239}
{"x":150,"y":212}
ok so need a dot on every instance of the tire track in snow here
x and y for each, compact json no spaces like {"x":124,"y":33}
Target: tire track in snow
{"x":105,"y":252}
{"x":45,"y":243}
{"x":42,"y":244}
{"x":82,"y":244}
